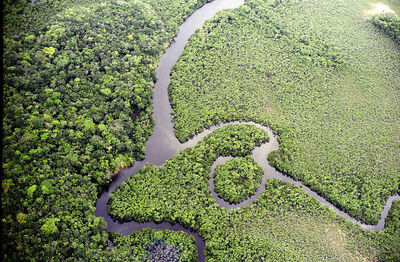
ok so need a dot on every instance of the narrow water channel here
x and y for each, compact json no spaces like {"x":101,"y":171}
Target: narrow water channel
{"x":163,"y":145}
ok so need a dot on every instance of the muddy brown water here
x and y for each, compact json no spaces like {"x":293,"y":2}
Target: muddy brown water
{"x":163,"y":145}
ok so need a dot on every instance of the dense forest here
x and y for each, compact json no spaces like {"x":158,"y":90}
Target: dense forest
{"x":327,"y":83}
{"x":77,"y":87}
{"x":77,"y":108}
{"x":181,"y":184}
{"x":283,"y":224}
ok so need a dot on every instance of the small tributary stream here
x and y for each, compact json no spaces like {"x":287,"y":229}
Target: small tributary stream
{"x":163,"y":145}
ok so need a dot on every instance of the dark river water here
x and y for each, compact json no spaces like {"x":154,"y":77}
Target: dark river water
{"x":163,"y":145}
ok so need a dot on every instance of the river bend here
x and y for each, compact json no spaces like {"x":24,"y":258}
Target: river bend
{"x":163,"y":145}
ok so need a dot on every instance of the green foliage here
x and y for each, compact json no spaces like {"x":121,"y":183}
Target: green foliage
{"x":31,"y":190}
{"x":171,"y":191}
{"x":237,"y":179}
{"x":392,"y":222}
{"x":50,"y":227}
{"x":77,"y":108}
{"x":283,"y":224}
{"x":390,"y":236}
{"x":320,"y":75}
{"x":47,"y":187}
{"x":150,"y":245}
{"x":76,"y":72}
{"x":48,"y":50}
{"x":21,"y":218}
{"x":6,"y":184}
{"x":389,"y":24}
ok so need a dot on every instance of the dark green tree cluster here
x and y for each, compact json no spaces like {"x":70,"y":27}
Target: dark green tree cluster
{"x":283,"y":224}
{"x":326,"y":82}
{"x":162,"y":245}
{"x":77,"y":108}
{"x":237,"y":179}
{"x":389,"y":24}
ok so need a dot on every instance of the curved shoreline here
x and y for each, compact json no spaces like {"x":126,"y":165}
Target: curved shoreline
{"x":163,"y":145}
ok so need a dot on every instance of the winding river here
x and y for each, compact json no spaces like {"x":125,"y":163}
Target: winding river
{"x":163,"y":145}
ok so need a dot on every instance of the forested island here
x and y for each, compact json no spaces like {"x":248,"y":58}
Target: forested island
{"x":78,"y":109}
